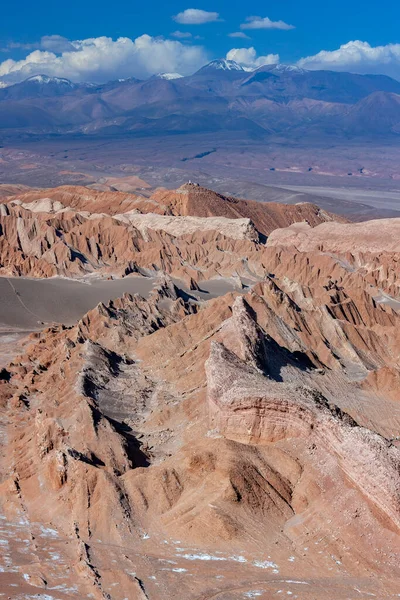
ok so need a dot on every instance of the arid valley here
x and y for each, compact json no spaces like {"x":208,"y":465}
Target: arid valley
{"x":199,"y":397}
{"x":200,"y":300}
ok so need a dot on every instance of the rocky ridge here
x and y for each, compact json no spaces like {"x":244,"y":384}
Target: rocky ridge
{"x":76,"y":232}
{"x":241,"y":447}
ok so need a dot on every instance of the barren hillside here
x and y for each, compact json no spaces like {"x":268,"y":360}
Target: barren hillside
{"x":169,"y":447}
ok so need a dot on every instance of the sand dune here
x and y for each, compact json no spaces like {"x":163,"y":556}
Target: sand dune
{"x":28,"y":303}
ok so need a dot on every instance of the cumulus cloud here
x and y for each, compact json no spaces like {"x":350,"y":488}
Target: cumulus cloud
{"x":195,"y":16}
{"x":102,"y":59}
{"x":264,"y":23}
{"x":357,"y":57}
{"x":239,"y":34}
{"x":247,"y":57}
{"x":181,"y":34}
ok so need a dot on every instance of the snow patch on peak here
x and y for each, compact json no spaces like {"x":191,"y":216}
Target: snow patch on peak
{"x":47,"y":79}
{"x":169,"y":76}
{"x":289,"y":69}
{"x":223,"y":64}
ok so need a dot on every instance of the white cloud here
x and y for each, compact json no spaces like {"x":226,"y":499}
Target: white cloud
{"x":239,"y":34}
{"x":357,"y":57}
{"x":181,"y":34}
{"x":247,"y":57}
{"x":102,"y":59}
{"x":264,"y":23}
{"x":195,"y":16}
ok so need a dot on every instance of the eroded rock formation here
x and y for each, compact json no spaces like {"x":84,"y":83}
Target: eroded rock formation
{"x":166,"y":448}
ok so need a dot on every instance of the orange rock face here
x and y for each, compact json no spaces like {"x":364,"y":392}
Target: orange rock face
{"x":192,"y":233}
{"x":193,"y":200}
{"x":242,"y":447}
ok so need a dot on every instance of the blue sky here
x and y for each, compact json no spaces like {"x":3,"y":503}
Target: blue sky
{"x":317,"y":26}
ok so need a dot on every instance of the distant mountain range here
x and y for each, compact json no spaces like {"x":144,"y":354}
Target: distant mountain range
{"x":221,"y":96}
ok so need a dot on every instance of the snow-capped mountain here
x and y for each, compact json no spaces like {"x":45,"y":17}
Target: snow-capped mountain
{"x":220,"y":96}
{"x":222,"y":64}
{"x":38,"y":86}
{"x":50,"y":80}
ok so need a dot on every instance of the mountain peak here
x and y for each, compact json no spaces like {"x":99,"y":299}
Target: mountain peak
{"x":222,"y":64}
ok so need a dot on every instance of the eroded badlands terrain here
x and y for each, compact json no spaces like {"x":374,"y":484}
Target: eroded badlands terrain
{"x":174,"y":447}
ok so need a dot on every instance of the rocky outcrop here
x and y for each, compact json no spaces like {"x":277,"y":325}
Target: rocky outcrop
{"x":197,"y":201}
{"x":74,"y":244}
{"x":189,"y":200}
{"x":373,"y":237}
{"x":192,"y":233}
{"x":371,"y":248}
{"x":249,"y":408}
{"x":235,"y":229}
{"x":156,"y":420}
{"x":79,"y":198}
{"x":168,"y":448}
